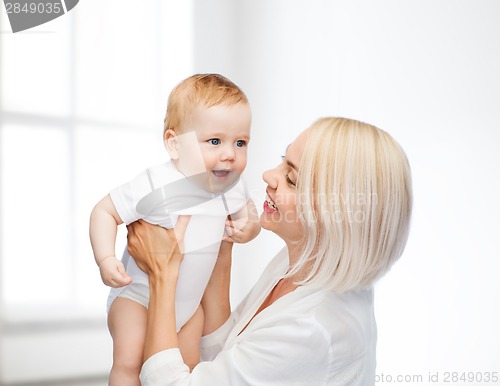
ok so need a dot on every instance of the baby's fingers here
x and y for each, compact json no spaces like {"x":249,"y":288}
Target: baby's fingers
{"x":121,"y":269}
{"x":234,"y":225}
{"x":119,"y":280}
{"x":120,"y":277}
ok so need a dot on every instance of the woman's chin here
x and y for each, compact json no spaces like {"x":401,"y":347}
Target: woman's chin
{"x":266,"y":222}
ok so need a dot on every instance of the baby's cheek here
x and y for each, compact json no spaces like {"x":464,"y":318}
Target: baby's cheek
{"x":243,"y":165}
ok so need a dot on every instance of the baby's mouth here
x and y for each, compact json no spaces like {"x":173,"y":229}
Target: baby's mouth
{"x":221,"y":173}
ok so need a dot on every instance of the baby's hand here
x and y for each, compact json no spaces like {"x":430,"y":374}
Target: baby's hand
{"x":244,"y":227}
{"x":113,"y":272}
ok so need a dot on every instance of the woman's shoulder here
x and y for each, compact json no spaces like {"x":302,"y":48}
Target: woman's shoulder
{"x":358,"y":303}
{"x":350,"y":309}
{"x":347,"y":320}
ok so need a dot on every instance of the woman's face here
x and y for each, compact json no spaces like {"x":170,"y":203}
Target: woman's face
{"x":280,"y":206}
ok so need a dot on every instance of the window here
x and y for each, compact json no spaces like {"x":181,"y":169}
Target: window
{"x":82,"y":104}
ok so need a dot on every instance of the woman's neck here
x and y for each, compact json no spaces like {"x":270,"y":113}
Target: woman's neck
{"x":294,"y":253}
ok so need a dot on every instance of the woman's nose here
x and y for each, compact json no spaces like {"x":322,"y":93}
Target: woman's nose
{"x":269,"y":178}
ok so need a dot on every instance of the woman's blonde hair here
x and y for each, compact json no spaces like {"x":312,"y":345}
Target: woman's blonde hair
{"x":355,"y":202}
{"x":200,"y":89}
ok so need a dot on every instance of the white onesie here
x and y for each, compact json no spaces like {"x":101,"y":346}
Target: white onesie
{"x":159,"y":195}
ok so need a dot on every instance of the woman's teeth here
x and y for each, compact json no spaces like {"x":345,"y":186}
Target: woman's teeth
{"x":271,"y":203}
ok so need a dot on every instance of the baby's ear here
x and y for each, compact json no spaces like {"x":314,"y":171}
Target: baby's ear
{"x":170,"y":139}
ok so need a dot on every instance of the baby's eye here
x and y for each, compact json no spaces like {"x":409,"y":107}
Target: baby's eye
{"x":214,"y":141}
{"x":240,"y":143}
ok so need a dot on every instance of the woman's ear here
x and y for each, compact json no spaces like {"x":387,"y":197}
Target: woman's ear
{"x":170,"y":139}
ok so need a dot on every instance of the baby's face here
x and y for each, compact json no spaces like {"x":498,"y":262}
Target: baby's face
{"x":213,"y":148}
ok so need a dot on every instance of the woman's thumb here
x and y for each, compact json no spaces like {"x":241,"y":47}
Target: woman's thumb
{"x":180,"y":230}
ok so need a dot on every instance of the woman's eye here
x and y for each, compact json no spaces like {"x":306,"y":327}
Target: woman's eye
{"x":289,"y":181}
{"x":240,"y":143}
{"x":214,"y":141}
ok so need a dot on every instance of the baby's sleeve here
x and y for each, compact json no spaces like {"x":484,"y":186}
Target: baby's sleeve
{"x":126,"y":197}
{"x":236,"y":198}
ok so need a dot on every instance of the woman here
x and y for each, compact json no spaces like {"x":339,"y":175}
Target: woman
{"x":341,"y":201}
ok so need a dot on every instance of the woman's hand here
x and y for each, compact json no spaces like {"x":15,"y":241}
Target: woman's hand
{"x":159,"y":252}
{"x":156,"y":249}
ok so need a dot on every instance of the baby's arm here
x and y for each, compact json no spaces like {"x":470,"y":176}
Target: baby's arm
{"x":104,"y":221}
{"x":243,"y":225}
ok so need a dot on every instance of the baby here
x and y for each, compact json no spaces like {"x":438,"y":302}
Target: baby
{"x":206,"y":133}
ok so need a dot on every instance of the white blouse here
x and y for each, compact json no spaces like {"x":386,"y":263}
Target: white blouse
{"x":307,"y":337}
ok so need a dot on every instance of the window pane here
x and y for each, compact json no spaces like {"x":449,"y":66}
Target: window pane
{"x":105,"y":158}
{"x":35,"y":215}
{"x":114,"y":80}
{"x":128,"y":63}
{"x":35,"y":69}
{"x":118,"y":74}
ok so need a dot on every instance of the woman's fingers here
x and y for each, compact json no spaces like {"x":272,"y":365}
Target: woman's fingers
{"x":137,"y":244}
{"x":139,"y":236}
{"x":153,"y":246}
{"x":131,"y":237}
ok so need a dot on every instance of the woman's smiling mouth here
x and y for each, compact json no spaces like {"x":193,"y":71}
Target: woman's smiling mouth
{"x":269,"y":205}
